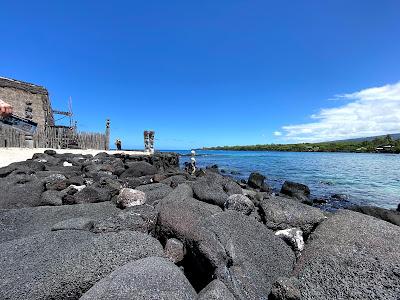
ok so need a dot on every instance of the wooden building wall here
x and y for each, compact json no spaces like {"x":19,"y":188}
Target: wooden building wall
{"x":28,"y":100}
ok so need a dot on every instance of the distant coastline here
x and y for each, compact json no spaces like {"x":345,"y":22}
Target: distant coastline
{"x":385,"y":144}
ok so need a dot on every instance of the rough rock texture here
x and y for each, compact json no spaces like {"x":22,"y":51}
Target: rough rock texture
{"x":387,"y":215}
{"x":239,"y":203}
{"x":66,"y":171}
{"x":256,"y":181}
{"x":112,"y":186}
{"x":52,"y":198}
{"x":76,"y":180}
{"x":351,"y":256}
{"x":20,"y":191}
{"x":138,"y":169}
{"x":94,"y":193}
{"x":64,"y":264}
{"x":133,"y":183}
{"x":155,"y":191}
{"x":179,"y":217}
{"x":182,"y":192}
{"x":214,"y":188}
{"x":296,"y":190}
{"x":24,"y":222}
{"x":51,"y":182}
{"x":174,"y":180}
{"x":27,"y":167}
{"x":249,"y":193}
{"x":247,"y":256}
{"x":283,"y":213}
{"x":147,"y":278}
{"x":174,"y":250}
{"x":56,"y":185}
{"x":215,"y":290}
{"x":163,"y":161}
{"x":239,"y":251}
{"x":285,"y":289}
{"x":50,"y":152}
{"x":74,"y":224}
{"x":141,"y":218}
{"x":60,"y":251}
{"x":129,"y":197}
{"x":100,"y":164}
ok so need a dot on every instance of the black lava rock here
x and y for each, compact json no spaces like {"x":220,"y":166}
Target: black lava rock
{"x":351,"y":256}
{"x":256,"y":180}
{"x":284,"y":213}
{"x":138,"y":169}
{"x":296,"y":190}
{"x":147,"y":278}
{"x":387,"y":215}
{"x":64,"y":264}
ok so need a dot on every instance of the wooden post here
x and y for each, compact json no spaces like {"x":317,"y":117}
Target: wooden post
{"x":107,"y":139}
{"x":28,"y":141}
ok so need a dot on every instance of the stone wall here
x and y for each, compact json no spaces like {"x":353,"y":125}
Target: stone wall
{"x":28,"y":100}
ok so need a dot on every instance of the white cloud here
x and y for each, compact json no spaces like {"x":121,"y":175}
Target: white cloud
{"x":373,"y":111}
{"x":277,"y":133}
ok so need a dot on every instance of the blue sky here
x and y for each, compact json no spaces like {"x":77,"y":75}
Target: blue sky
{"x":205,"y":73}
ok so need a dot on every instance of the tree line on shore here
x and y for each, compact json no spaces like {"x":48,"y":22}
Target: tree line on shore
{"x":366,"y":146}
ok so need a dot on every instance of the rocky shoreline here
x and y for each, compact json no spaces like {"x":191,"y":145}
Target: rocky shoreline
{"x":137,"y":227}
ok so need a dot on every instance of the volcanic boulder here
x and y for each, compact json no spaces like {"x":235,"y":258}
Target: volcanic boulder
{"x":257,"y":181}
{"x":351,"y":256}
{"x":215,"y":290}
{"x":387,"y":215}
{"x":214,"y":188}
{"x":25,"y":222}
{"x":64,"y":264}
{"x":147,"y":278}
{"x":129,"y":197}
{"x":239,"y":203}
{"x":19,"y":191}
{"x":284,"y":213}
{"x":138,"y":169}
{"x":296,"y":190}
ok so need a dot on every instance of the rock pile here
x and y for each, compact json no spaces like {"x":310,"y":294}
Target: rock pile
{"x":137,"y":227}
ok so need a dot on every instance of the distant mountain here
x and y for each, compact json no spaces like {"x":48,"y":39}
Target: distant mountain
{"x":395,"y":136}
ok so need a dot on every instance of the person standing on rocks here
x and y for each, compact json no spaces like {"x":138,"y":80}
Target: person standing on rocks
{"x":191,"y":167}
{"x":5,"y":109}
{"x":118,"y":143}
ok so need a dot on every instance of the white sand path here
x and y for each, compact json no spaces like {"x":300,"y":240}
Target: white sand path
{"x":10,"y":155}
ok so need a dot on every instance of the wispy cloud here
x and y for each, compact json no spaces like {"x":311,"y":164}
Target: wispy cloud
{"x":277,"y":133}
{"x":372,"y":111}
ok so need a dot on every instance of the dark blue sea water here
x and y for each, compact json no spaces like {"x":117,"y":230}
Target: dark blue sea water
{"x":369,"y":179}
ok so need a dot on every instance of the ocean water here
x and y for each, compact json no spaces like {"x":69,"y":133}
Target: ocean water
{"x":367,"y":179}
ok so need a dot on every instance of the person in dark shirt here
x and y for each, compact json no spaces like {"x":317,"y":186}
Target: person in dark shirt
{"x":118,"y":143}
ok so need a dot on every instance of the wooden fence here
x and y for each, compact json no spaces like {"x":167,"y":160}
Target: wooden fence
{"x":9,"y":137}
{"x":53,"y":137}
{"x":91,"y":140}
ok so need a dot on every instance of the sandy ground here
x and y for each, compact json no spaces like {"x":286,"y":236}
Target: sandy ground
{"x":10,"y":155}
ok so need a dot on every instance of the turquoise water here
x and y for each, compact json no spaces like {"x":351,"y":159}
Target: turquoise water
{"x":369,"y":179}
